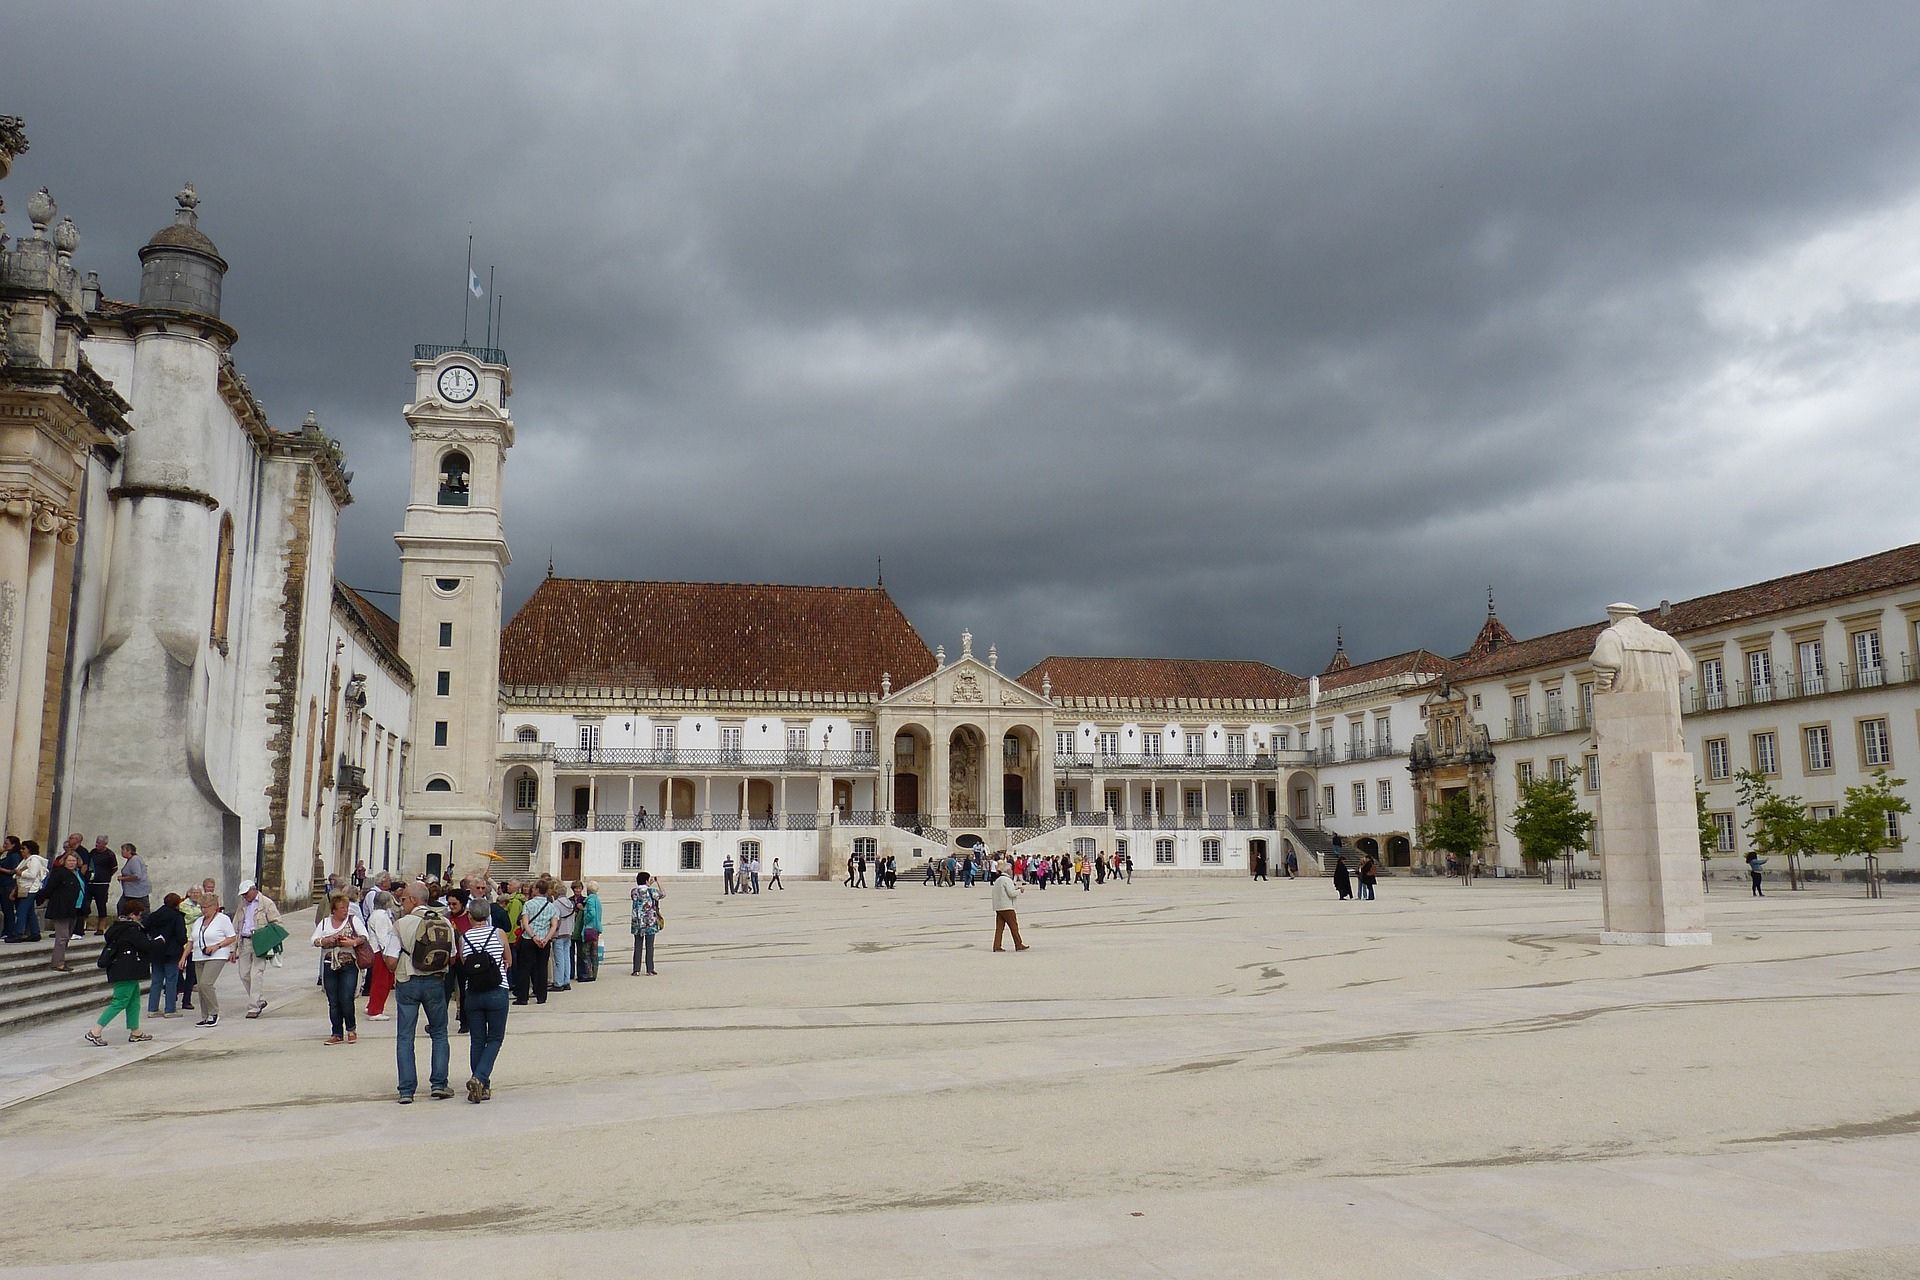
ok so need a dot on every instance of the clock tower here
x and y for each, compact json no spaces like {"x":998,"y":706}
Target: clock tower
{"x":453,"y":557}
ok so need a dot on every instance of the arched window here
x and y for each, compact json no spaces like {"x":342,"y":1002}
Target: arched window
{"x":222,"y":585}
{"x":439,"y":784}
{"x":454,"y":473}
{"x":526,"y":733}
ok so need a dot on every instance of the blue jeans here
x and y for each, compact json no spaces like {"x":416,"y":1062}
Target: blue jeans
{"x":486,"y":1030}
{"x":341,"y":985}
{"x":562,"y":964}
{"x":25,"y":923}
{"x":166,"y":979}
{"x":428,"y":991}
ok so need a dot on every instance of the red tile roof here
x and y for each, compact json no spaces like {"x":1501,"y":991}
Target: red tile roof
{"x":1881,"y":572}
{"x":1166,"y":678}
{"x":1416,"y":662}
{"x":710,"y":635}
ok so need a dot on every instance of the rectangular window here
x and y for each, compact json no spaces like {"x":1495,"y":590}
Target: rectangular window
{"x":1359,"y":798}
{"x":1557,"y":768}
{"x":1383,"y":733}
{"x":1813,"y":667}
{"x":730,"y":741}
{"x":1522,"y":715}
{"x":1210,"y":852}
{"x":1282,"y":740}
{"x":1236,"y":746}
{"x":1196,"y":746}
{"x":1819,"y":739}
{"x":1357,"y":736}
{"x":1820,"y":812}
{"x":1586,"y":702}
{"x":1590,"y":770}
{"x":1893,"y":829}
{"x":865,"y":846}
{"x":863,"y":742}
{"x":1523,"y":772}
{"x":1111,"y":798}
{"x":1876,"y":748}
{"x":1109,"y":744}
{"x":1010,"y":751}
{"x":526,"y":790}
{"x":1556,"y":721}
{"x":1120,"y":848}
{"x":1723,"y":837}
{"x":1163,"y":853}
{"x":1867,"y":668}
{"x":1326,"y":800}
{"x":1237,"y":803}
{"x":797,"y":745}
{"x":1766,"y":754}
{"x":1063,"y":742}
{"x":446,"y":635}
{"x":1192,"y":800}
{"x":1713,"y":684}
{"x":664,"y":738}
{"x":439,"y":733}
{"x":903,"y":750}
{"x":443,"y":683}
{"x":633,"y":855}
{"x":589,"y":736}
{"x":1150,"y":747}
{"x":1386,"y":795}
{"x":689,"y":855}
{"x":1719,"y":760}
{"x":1759,"y":676}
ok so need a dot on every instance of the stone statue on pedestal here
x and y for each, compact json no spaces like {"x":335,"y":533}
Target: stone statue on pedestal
{"x":1649,"y":833}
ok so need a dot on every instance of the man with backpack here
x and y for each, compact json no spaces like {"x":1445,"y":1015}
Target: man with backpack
{"x":422,"y":957}
{"x":484,"y":962}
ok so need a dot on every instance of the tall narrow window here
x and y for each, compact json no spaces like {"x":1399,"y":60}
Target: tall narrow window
{"x":1210,"y":852}
{"x":526,"y":791}
{"x":446,"y":635}
{"x":222,"y":585}
{"x":1163,"y":853}
{"x":454,"y":474}
{"x":1759,"y":676}
{"x":1713,"y":684}
{"x":1868,"y":672}
{"x":443,"y":683}
{"x":439,"y":733}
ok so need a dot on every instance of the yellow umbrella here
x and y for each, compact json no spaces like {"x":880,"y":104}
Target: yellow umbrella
{"x":496,"y":857}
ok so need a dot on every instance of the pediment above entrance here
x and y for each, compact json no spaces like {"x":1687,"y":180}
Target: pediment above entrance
{"x":967,"y":684}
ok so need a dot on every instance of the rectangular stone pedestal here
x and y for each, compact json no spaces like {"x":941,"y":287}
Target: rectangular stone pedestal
{"x":1649,"y":829}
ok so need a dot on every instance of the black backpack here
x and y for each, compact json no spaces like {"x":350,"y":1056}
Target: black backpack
{"x":479,"y":971}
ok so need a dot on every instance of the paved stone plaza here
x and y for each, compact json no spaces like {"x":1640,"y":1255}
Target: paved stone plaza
{"x":1185,"y":1077}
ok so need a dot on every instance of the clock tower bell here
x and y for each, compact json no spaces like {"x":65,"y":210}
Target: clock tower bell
{"x":453,"y":558}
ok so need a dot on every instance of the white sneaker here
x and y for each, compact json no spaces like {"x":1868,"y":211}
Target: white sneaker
{"x":379,"y":1017}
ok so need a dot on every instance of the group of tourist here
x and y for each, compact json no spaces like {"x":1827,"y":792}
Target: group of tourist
{"x":744,"y":876}
{"x":1345,"y":879}
{"x":74,"y":886}
{"x":181,"y":949}
{"x":1078,"y":868}
{"x":886,"y":872}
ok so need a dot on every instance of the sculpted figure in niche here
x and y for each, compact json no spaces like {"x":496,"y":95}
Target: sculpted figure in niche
{"x":1632,"y":657}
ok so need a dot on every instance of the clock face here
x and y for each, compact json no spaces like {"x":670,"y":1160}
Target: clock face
{"x":457,"y":384}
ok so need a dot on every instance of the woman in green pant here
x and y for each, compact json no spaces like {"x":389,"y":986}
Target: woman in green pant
{"x":127,"y":953}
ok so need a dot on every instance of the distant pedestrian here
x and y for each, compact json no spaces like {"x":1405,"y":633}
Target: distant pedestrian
{"x":1006,"y":894}
{"x":1342,"y":879}
{"x":859,"y":872}
{"x":386,"y":948}
{"x":425,"y":940}
{"x":337,"y":935}
{"x":1754,"y":863}
{"x":1369,"y":876}
{"x":214,"y":943}
{"x":539,"y":918}
{"x":726,"y":873}
{"x":647,"y":921}
{"x":592,"y":923}
{"x":102,"y":866}
{"x":134,"y":882}
{"x":563,"y":904}
{"x":10,"y":860}
{"x":65,"y":896}
{"x":167,"y":926}
{"x":1291,"y":863}
{"x":773,"y":881}
{"x":30,"y":880}
{"x":254,"y":914}
{"x":127,"y":957}
{"x":1260,"y":864}
{"x":484,"y":965}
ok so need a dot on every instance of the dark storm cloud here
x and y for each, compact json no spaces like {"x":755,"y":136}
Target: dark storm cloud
{"x":1113,"y":328}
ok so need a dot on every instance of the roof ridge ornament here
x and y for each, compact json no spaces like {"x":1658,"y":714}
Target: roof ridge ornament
{"x":187,"y":200}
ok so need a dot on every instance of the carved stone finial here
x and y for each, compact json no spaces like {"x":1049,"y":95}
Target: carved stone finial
{"x":188,"y":200}
{"x":939,"y":655}
{"x":13,"y":142}
{"x":966,"y":644}
{"x":993,"y":656}
{"x":1046,"y":684}
{"x":886,"y":684}
{"x":40,"y":211}
{"x":66,"y":238}
{"x":311,"y":424}
{"x":1489,"y":599}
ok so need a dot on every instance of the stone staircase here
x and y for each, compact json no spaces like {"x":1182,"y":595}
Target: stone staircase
{"x":1317,"y":846}
{"x":516,"y":854}
{"x":30,"y":991}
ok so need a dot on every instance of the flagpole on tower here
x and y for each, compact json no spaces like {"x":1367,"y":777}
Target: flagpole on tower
{"x":466,"y":294}
{"x":490,"y":297}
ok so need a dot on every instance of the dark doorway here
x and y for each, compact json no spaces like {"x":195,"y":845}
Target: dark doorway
{"x":906,"y":793}
{"x":570,"y":860}
{"x":1013,"y":792}
{"x":582,"y":798}
{"x":1399,"y":852}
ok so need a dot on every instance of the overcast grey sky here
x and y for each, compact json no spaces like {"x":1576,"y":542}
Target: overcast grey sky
{"x":1165,"y":329}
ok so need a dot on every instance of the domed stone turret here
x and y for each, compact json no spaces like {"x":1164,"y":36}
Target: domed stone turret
{"x":180,"y":270}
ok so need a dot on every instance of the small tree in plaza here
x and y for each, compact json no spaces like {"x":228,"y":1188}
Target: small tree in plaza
{"x":1459,"y":827}
{"x":1775,"y":824}
{"x":1708,"y":832}
{"x":1549,"y":821}
{"x":1861,"y":827}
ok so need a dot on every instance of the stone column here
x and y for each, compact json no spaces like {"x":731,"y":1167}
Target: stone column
{"x":16,"y":521}
{"x":933,"y":796}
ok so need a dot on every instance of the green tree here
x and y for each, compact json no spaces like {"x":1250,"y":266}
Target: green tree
{"x":1709,"y":833}
{"x":1776,"y":824}
{"x":1459,"y":826}
{"x":1860,"y":827}
{"x":1548,"y":821}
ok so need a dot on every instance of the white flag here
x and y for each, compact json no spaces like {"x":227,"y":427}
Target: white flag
{"x":474,"y":286}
